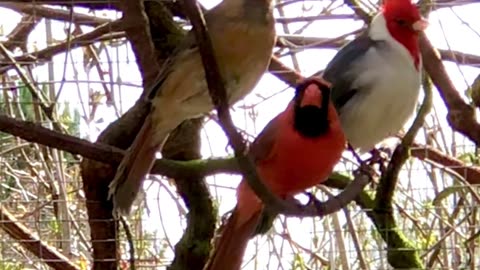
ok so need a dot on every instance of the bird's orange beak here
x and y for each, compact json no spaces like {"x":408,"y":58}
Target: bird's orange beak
{"x":312,"y":96}
{"x":420,"y":25}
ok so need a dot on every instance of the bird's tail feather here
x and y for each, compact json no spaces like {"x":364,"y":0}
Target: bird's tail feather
{"x":230,"y":248}
{"x":137,"y":162}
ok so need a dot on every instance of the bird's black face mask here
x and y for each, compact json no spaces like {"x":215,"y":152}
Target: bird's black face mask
{"x":309,"y":120}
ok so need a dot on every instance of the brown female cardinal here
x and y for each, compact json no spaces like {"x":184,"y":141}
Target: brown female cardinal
{"x":243,"y":35}
{"x":296,"y":150}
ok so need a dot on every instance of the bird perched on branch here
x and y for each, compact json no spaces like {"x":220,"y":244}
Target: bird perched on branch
{"x":376,"y":77}
{"x":243,"y":35}
{"x":296,"y":150}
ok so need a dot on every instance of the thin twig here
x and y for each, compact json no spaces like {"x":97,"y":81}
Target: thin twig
{"x":131,"y":246}
{"x":103,"y":32}
{"x":34,"y":91}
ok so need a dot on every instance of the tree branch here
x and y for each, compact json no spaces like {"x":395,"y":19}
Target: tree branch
{"x":471,"y":174}
{"x":25,"y":237}
{"x":36,"y":133}
{"x":32,"y":88}
{"x":97,"y":176}
{"x":19,"y":35}
{"x":84,"y":39}
{"x":193,"y":249}
{"x":291,"y":41}
{"x":284,"y":73}
{"x":137,"y":27}
{"x":461,"y":116}
{"x":93,"y":4}
{"x":399,"y":247}
{"x":55,"y":14}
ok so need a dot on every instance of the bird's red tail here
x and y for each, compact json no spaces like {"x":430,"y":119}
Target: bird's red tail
{"x":230,"y":248}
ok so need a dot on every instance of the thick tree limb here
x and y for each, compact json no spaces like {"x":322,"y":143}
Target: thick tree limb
{"x":48,"y":254}
{"x":284,"y":73}
{"x":193,"y":249}
{"x":97,"y":176}
{"x":218,"y":95}
{"x":177,"y":169}
{"x":137,"y":27}
{"x":461,"y":116}
{"x":19,"y":35}
{"x":471,"y":174}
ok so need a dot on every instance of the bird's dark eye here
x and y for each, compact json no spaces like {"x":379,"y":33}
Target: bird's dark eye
{"x":401,"y":22}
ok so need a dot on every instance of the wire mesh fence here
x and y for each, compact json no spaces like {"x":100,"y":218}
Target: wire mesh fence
{"x":75,"y":67}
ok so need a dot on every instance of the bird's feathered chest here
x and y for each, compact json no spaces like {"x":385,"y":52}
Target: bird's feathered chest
{"x":385,"y":80}
{"x":387,"y":86}
{"x":297,"y":162}
{"x":375,"y":86}
{"x":242,"y":44}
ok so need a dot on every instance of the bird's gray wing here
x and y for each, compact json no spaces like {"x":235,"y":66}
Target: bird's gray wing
{"x":337,"y":73}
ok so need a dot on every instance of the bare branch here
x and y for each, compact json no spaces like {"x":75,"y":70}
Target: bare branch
{"x":53,"y":13}
{"x":33,"y":89}
{"x":471,"y":174}
{"x":461,"y":116}
{"x":18,"y":36}
{"x":93,"y":4}
{"x":137,"y":27}
{"x":315,"y":18}
{"x":335,"y":43}
{"x":104,"y":32}
{"x":284,"y":73}
{"x":25,"y":237}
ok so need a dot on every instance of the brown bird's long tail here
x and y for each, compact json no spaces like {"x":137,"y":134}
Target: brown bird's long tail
{"x":136,"y":163}
{"x":230,"y":248}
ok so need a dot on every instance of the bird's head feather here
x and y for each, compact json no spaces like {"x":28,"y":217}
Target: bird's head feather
{"x":404,"y":22}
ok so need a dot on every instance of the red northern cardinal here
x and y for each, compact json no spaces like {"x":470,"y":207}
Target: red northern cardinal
{"x":243,"y":35}
{"x":376,"y":77}
{"x":295,"y":151}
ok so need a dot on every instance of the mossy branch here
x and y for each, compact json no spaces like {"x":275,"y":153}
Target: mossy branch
{"x":401,"y":252}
